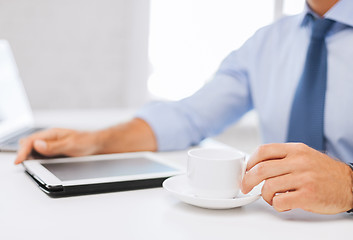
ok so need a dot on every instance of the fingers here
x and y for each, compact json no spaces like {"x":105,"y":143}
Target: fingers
{"x":268,"y":152}
{"x":269,"y":161}
{"x":263,"y":171}
{"x":50,"y":148}
{"x":281,"y":184}
{"x":297,"y":176}
{"x":26,"y":145}
{"x":23,"y":152}
{"x":50,"y":134}
{"x":288,"y":201}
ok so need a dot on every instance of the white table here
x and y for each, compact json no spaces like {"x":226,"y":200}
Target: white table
{"x":27,"y":213}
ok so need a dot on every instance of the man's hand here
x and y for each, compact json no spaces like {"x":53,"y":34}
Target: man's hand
{"x":58,"y":142}
{"x":135,"y":135}
{"x":297,"y":176}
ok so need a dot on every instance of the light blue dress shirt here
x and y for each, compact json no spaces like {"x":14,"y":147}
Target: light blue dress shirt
{"x":263,"y":75}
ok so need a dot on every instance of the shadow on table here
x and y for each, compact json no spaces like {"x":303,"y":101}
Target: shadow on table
{"x":299,"y":214}
{"x":259,"y":209}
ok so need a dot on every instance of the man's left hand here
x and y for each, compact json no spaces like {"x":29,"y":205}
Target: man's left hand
{"x":297,"y":176}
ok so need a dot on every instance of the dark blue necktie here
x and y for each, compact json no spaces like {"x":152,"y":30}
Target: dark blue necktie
{"x":306,"y":122}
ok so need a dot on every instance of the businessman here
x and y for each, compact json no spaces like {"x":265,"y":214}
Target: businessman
{"x":297,"y":74}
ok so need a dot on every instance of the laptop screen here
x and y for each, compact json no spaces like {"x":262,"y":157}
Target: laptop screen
{"x":15,"y":111}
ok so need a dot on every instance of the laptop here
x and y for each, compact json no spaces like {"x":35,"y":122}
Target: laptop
{"x":16,"y":117}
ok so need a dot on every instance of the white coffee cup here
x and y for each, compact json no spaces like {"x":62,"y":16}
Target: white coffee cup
{"x":215,"y":172}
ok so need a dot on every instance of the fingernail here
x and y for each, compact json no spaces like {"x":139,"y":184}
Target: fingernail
{"x":17,"y":161}
{"x":40,"y":144}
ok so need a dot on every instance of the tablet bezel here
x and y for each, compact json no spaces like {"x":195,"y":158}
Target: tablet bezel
{"x":47,"y":178}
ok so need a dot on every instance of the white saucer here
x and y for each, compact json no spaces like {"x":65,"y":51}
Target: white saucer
{"x":179,"y":187}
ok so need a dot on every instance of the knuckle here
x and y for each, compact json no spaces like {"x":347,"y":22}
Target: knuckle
{"x":260,"y":169}
{"x":302,"y":145}
{"x":301,"y":148}
{"x":261,"y":150}
{"x":278,"y":204}
{"x":299,"y":162}
{"x":268,"y":186}
{"x":245,"y":184}
{"x":267,"y":192}
{"x":283,"y":202}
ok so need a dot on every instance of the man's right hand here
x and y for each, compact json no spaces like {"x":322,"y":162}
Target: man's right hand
{"x":132,"y":136}
{"x":56,"y":141}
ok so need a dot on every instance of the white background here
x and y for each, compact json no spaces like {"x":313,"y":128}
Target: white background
{"x":94,"y":54}
{"x":79,"y":53}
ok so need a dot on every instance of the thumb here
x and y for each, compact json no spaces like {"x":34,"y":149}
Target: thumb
{"x":50,"y":148}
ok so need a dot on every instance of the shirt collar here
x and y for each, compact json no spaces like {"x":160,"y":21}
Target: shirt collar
{"x":341,"y":12}
{"x":308,"y":15}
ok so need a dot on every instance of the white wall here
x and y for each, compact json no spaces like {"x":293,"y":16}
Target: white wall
{"x":79,"y":53}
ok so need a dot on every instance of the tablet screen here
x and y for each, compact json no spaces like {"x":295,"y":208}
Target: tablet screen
{"x":69,"y":171}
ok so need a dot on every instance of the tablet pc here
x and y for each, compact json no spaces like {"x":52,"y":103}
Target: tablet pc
{"x":99,"y":173}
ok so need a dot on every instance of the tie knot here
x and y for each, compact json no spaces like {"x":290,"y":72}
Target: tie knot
{"x":321,"y":27}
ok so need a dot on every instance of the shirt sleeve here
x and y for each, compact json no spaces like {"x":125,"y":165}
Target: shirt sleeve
{"x":221,"y":102}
